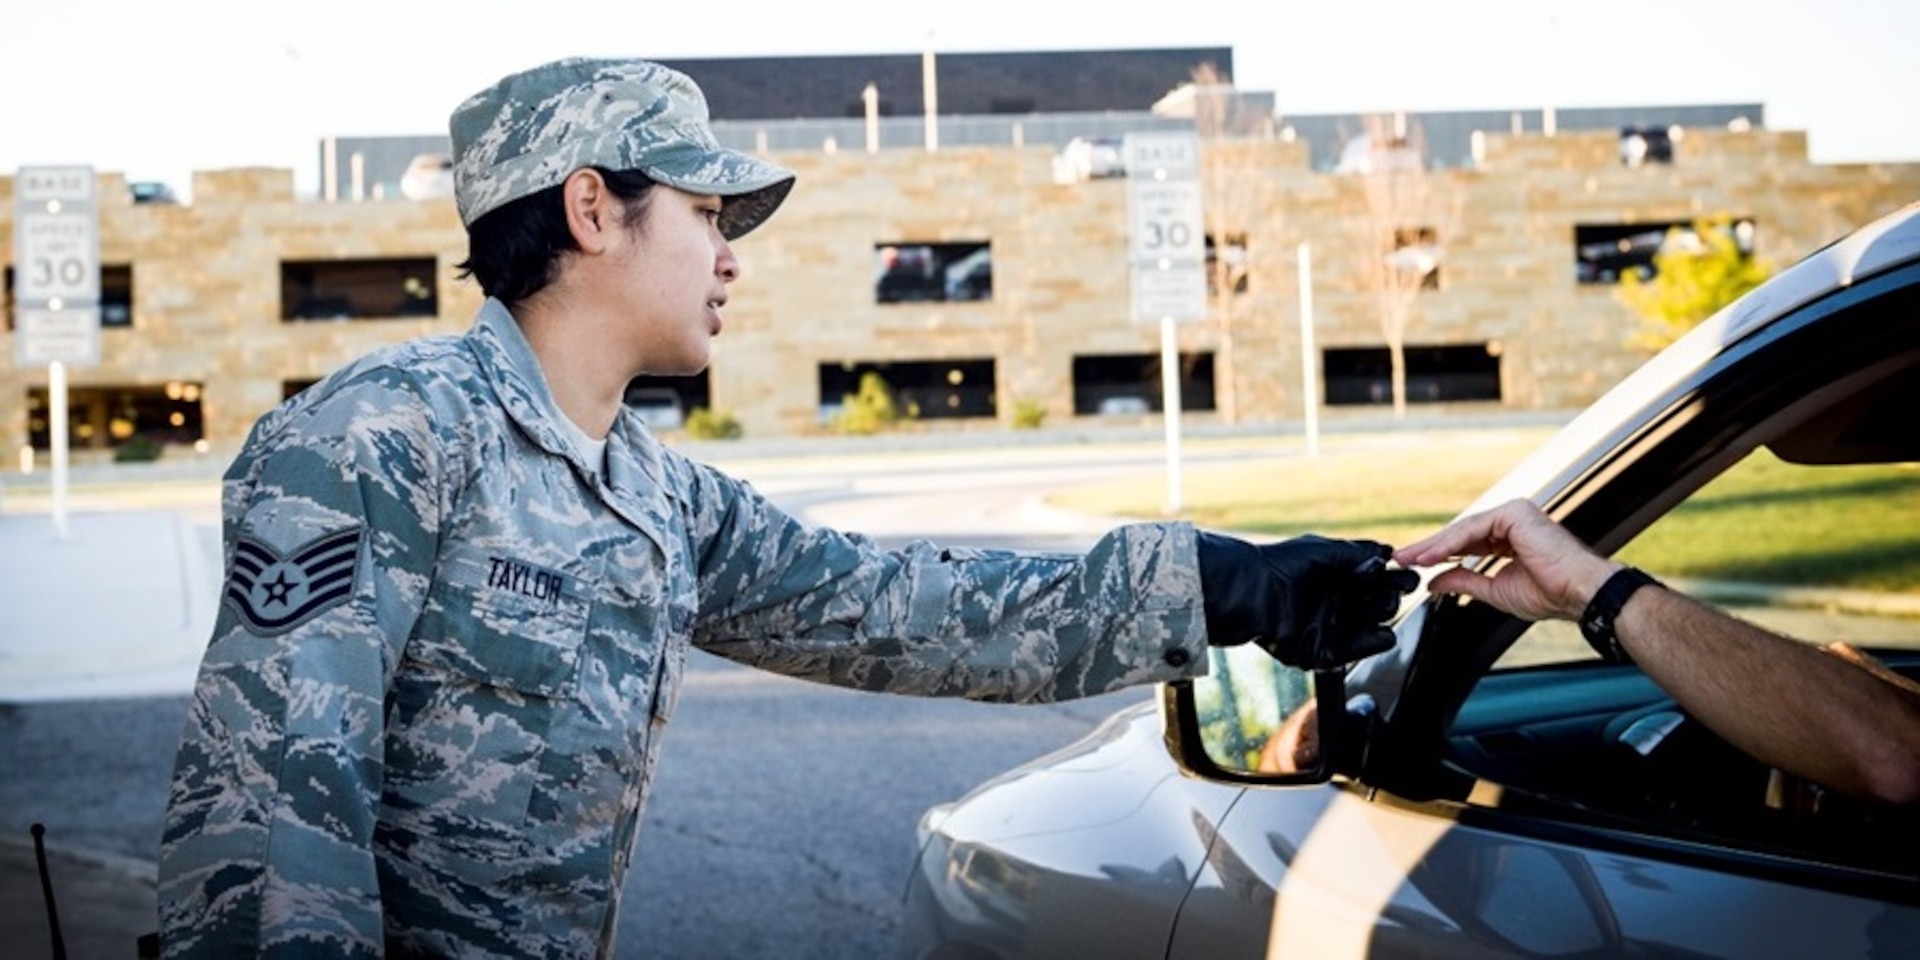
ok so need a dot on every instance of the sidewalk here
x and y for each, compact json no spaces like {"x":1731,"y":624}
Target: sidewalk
{"x":121,"y":606}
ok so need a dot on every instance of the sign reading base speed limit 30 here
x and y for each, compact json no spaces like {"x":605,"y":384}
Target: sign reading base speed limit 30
{"x":56,"y":256}
{"x":1167,"y":244}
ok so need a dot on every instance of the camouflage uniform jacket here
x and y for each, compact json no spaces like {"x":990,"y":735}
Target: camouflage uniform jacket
{"x":447,"y":648}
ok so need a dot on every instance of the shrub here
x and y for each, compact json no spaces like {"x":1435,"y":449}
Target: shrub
{"x":1028,"y":414}
{"x":869,"y":411}
{"x":705,"y":424}
{"x":139,"y":448}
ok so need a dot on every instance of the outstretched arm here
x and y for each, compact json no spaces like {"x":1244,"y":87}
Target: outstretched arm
{"x":1788,"y":704}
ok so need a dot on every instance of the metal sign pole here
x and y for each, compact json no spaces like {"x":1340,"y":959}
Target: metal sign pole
{"x":1309,"y":371}
{"x":57,"y":437}
{"x":1170,"y":406}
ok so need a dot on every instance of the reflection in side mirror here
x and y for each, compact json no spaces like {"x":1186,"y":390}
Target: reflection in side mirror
{"x":1250,"y":718}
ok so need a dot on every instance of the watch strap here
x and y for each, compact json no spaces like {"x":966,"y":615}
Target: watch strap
{"x":1598,"y":623}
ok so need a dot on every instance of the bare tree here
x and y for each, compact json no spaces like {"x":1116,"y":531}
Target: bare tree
{"x":1232,"y":191}
{"x":1399,"y":233}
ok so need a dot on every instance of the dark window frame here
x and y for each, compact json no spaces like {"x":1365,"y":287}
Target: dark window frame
{"x":923,"y":389}
{"x":1404,"y":237}
{"x":148,"y":409}
{"x":1234,"y":240}
{"x":361,"y":288}
{"x":1605,"y":252}
{"x":914,"y":271}
{"x":1436,"y":373}
{"x":1111,"y":384}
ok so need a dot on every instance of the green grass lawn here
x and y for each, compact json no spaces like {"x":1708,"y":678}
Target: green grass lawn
{"x":1848,"y":527}
{"x":1766,"y":521}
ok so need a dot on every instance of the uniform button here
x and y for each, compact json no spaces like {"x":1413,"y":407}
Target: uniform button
{"x":1177,"y":657}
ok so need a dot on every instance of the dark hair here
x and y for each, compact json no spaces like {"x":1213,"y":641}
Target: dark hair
{"x":512,"y":251}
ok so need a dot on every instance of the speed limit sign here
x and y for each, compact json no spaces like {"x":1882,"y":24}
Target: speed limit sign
{"x":1167,"y":241}
{"x":56,"y":272}
{"x":57,"y":258}
{"x":1166,"y":222}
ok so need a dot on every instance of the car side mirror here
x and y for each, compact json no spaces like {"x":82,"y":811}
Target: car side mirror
{"x":1253,"y":719}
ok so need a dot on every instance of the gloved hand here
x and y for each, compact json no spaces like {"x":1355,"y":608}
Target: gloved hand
{"x":1310,"y":601}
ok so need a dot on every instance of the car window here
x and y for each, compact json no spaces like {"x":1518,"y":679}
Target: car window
{"x":1820,"y":553}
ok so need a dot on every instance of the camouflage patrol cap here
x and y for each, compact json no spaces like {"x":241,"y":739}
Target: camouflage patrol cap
{"x":532,"y":129}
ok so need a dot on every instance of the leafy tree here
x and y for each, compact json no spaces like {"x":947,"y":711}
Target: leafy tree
{"x":1697,"y":271}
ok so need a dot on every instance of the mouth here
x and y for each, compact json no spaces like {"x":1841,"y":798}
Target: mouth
{"x":713,"y":309}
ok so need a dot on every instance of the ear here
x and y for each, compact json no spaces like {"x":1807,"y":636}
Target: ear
{"x":590,"y":208}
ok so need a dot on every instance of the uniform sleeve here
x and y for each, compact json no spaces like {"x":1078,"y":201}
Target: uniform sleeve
{"x":331,"y":530}
{"x":941,"y":621}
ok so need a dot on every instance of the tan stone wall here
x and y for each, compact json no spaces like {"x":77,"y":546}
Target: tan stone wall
{"x":207,"y":275}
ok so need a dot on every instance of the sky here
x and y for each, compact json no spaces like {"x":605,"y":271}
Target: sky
{"x":157,"y":91}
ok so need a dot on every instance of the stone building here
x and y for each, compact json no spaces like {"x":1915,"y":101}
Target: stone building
{"x":980,"y":281}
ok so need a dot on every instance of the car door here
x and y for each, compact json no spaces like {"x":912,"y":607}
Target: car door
{"x":1379,"y":877}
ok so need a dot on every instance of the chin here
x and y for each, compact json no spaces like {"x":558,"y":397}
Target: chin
{"x":682,"y":368}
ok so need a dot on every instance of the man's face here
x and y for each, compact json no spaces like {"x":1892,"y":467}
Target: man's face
{"x":676,"y":267}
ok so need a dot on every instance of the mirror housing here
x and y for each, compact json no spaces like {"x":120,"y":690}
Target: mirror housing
{"x":1254,"y":720}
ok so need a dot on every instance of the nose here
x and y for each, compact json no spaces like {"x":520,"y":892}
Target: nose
{"x":725,"y":263}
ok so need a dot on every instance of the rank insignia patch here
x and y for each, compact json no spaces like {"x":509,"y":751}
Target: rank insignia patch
{"x":273,"y":593}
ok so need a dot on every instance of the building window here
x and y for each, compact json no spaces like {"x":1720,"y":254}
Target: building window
{"x":923,"y":272}
{"x":1130,"y":383}
{"x":116,"y":295}
{"x":1359,"y":376}
{"x":922,"y":389}
{"x":1227,"y":261}
{"x":1416,"y":253}
{"x":100,"y":417}
{"x":358,"y":289}
{"x":664,"y":402}
{"x":1640,"y":146}
{"x":1082,"y":159}
{"x":1603,"y":253}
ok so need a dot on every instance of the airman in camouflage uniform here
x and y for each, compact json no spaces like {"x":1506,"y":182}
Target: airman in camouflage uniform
{"x":453,"y":624}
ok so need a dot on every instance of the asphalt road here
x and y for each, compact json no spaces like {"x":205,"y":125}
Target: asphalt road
{"x":782,"y":819}
{"x":781,"y":823}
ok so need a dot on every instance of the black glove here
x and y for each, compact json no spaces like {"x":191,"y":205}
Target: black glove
{"x":1311,"y":602}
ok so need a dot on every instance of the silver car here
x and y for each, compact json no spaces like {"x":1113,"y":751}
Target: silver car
{"x":1490,"y":787}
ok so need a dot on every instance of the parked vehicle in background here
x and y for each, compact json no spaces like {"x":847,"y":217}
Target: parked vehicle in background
{"x":658,"y":407}
{"x":1491,"y":787}
{"x":151,"y":191}
{"x":429,"y":176}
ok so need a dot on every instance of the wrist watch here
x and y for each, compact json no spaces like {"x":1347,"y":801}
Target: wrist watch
{"x":1597,"y":623}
